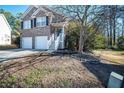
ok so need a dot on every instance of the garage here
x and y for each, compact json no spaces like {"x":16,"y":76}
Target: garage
{"x":27,"y":42}
{"x":41,"y":42}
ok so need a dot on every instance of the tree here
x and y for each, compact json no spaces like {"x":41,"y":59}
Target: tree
{"x":15,"y":23}
{"x":120,"y":42}
{"x":18,"y":24}
{"x":99,"y":42}
{"x":10,"y":18}
{"x":83,"y":16}
{"x":72,"y":36}
{"x":111,"y":16}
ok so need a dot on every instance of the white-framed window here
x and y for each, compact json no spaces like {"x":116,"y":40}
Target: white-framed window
{"x":27,"y":24}
{"x":41,"y":21}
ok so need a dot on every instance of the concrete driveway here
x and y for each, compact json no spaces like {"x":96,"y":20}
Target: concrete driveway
{"x":15,"y":53}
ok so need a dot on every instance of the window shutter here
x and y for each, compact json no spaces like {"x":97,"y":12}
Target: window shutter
{"x":22,"y":25}
{"x":47,"y":20}
{"x":34,"y":22}
{"x":31,"y":23}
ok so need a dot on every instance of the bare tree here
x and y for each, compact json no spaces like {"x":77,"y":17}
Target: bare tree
{"x":84,"y":16}
{"x":102,"y":18}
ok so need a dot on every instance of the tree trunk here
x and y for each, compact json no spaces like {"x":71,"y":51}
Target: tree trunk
{"x":110,"y":24}
{"x":107,"y":33}
{"x":123,"y":27}
{"x":82,"y":39}
{"x":114,"y":31}
{"x":81,"y":44}
{"x":114,"y":25}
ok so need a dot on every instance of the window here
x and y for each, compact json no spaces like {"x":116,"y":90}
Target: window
{"x":41,"y":21}
{"x":27,"y":24}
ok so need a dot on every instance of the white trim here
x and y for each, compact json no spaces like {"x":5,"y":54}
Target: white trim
{"x":6,"y":21}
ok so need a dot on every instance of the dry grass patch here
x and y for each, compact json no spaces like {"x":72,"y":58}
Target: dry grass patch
{"x":46,"y":71}
{"x":113,"y":56}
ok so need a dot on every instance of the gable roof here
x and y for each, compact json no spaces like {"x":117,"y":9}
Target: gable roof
{"x":54,"y":12}
{"x":40,"y":7}
{"x":2,"y":15}
{"x":28,"y":10}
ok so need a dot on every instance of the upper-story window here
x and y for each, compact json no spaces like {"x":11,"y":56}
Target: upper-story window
{"x":27,"y":24}
{"x":41,"y":22}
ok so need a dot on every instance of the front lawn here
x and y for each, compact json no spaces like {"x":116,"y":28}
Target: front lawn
{"x":46,"y":71}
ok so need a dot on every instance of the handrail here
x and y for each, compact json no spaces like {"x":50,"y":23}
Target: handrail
{"x":57,"y":42}
{"x":49,"y":41}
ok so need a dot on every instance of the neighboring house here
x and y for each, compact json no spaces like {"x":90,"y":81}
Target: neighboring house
{"x":5,"y":31}
{"x":42,"y":28}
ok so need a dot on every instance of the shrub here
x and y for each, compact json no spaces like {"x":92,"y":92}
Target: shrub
{"x":120,"y":42}
{"x":16,"y":41}
{"x":99,"y":42}
{"x":96,"y":41}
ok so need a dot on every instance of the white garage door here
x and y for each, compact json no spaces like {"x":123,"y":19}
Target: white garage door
{"x":27,"y":42}
{"x":41,"y":42}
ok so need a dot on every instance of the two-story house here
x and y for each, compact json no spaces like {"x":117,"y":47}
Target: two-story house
{"x":42,"y":28}
{"x":5,"y":31}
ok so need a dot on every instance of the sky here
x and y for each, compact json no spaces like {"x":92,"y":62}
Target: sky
{"x":14,"y":9}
